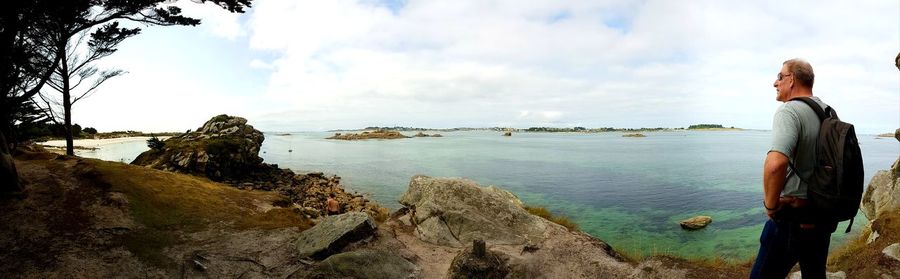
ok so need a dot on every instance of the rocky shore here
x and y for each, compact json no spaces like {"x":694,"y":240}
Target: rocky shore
{"x":203,"y":205}
{"x":226,"y":149}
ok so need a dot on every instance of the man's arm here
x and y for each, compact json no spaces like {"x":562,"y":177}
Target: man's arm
{"x":774,"y":172}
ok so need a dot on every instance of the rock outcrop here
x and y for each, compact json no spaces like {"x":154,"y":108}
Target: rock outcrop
{"x":637,"y":135}
{"x":883,"y":194}
{"x":377,"y":134}
{"x":695,"y":223}
{"x":454,"y":212}
{"x":224,"y":148}
{"x":333,"y":234}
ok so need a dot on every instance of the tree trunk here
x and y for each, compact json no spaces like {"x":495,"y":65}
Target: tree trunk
{"x":67,"y":108}
{"x":9,"y":177}
{"x":67,"y":101}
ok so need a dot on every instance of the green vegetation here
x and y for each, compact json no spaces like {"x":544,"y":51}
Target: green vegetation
{"x":705,"y":126}
{"x":543,"y":213}
{"x":155,"y":144}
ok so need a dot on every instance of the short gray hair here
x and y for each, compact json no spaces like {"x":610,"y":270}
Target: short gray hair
{"x":802,"y":71}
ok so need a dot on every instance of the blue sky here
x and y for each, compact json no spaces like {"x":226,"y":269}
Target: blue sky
{"x":317,"y":65}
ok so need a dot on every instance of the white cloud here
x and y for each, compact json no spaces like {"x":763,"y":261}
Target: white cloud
{"x":214,"y":19}
{"x":347,"y":63}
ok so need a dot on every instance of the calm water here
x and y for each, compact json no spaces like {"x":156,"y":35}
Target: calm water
{"x":630,"y":192}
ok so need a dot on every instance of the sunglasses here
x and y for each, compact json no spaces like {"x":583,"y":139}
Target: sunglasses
{"x":781,"y":76}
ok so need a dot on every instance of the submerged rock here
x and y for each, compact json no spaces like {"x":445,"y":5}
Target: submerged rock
{"x":453,"y":211}
{"x":334,"y":233}
{"x":696,"y":223}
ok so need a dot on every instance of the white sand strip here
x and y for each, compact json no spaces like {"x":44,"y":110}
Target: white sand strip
{"x":96,"y":143}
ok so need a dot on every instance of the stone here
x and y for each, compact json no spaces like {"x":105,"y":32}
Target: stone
{"x":366,"y":263}
{"x":892,"y":251}
{"x":477,"y":262}
{"x":333,"y":234}
{"x":696,"y":223}
{"x":455,"y":211}
{"x":507,"y":134}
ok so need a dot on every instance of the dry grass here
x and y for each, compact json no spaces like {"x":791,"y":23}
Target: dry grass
{"x":544,"y":213}
{"x":170,"y":204}
{"x":861,"y":260}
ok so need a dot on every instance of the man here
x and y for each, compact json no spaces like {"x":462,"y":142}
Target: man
{"x":332,"y":206}
{"x":786,"y":239}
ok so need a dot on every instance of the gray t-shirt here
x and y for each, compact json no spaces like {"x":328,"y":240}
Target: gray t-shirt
{"x":794,"y":119}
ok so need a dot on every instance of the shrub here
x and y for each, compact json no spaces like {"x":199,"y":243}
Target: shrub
{"x":155,"y":143}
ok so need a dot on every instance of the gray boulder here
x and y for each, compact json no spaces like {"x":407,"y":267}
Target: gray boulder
{"x":453,"y":212}
{"x":883,"y":193}
{"x":366,"y":263}
{"x":334,"y":233}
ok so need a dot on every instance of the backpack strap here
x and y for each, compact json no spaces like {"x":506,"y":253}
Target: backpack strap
{"x":816,"y":107}
{"x":822,"y":115}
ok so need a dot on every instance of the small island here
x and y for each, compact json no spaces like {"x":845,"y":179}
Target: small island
{"x":424,"y":135}
{"x":635,"y":135}
{"x":377,"y":134}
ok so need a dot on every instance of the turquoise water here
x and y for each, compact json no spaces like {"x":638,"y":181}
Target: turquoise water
{"x":630,"y":192}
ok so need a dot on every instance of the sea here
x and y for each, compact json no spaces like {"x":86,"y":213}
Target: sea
{"x":630,"y":192}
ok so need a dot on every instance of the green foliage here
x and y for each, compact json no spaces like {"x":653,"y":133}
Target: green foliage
{"x":223,"y":145}
{"x":155,"y":144}
{"x":89,"y":130}
{"x":705,"y":126}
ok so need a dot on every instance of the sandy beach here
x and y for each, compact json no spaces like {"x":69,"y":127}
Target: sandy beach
{"x":95,"y":143}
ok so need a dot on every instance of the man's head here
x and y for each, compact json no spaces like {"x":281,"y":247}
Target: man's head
{"x":795,"y":79}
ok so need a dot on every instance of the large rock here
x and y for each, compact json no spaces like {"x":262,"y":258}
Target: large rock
{"x":334,"y":233}
{"x":883,"y":193}
{"x":454,"y":212}
{"x":365,"y":263}
{"x":696,"y":223}
{"x":224,"y":148}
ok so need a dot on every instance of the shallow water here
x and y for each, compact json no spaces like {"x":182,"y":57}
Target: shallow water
{"x":630,"y":192}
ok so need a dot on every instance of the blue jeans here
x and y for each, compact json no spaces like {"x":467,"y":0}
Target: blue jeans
{"x":783,"y":244}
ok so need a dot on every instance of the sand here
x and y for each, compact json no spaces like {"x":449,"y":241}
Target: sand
{"x":95,"y":143}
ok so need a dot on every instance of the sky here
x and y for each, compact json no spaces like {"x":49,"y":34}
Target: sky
{"x":292,"y":65}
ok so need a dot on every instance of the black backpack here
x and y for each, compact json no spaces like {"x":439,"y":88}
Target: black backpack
{"x":836,"y":185}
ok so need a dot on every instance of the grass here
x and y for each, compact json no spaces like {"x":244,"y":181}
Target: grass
{"x":170,"y":204}
{"x":544,"y":213}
